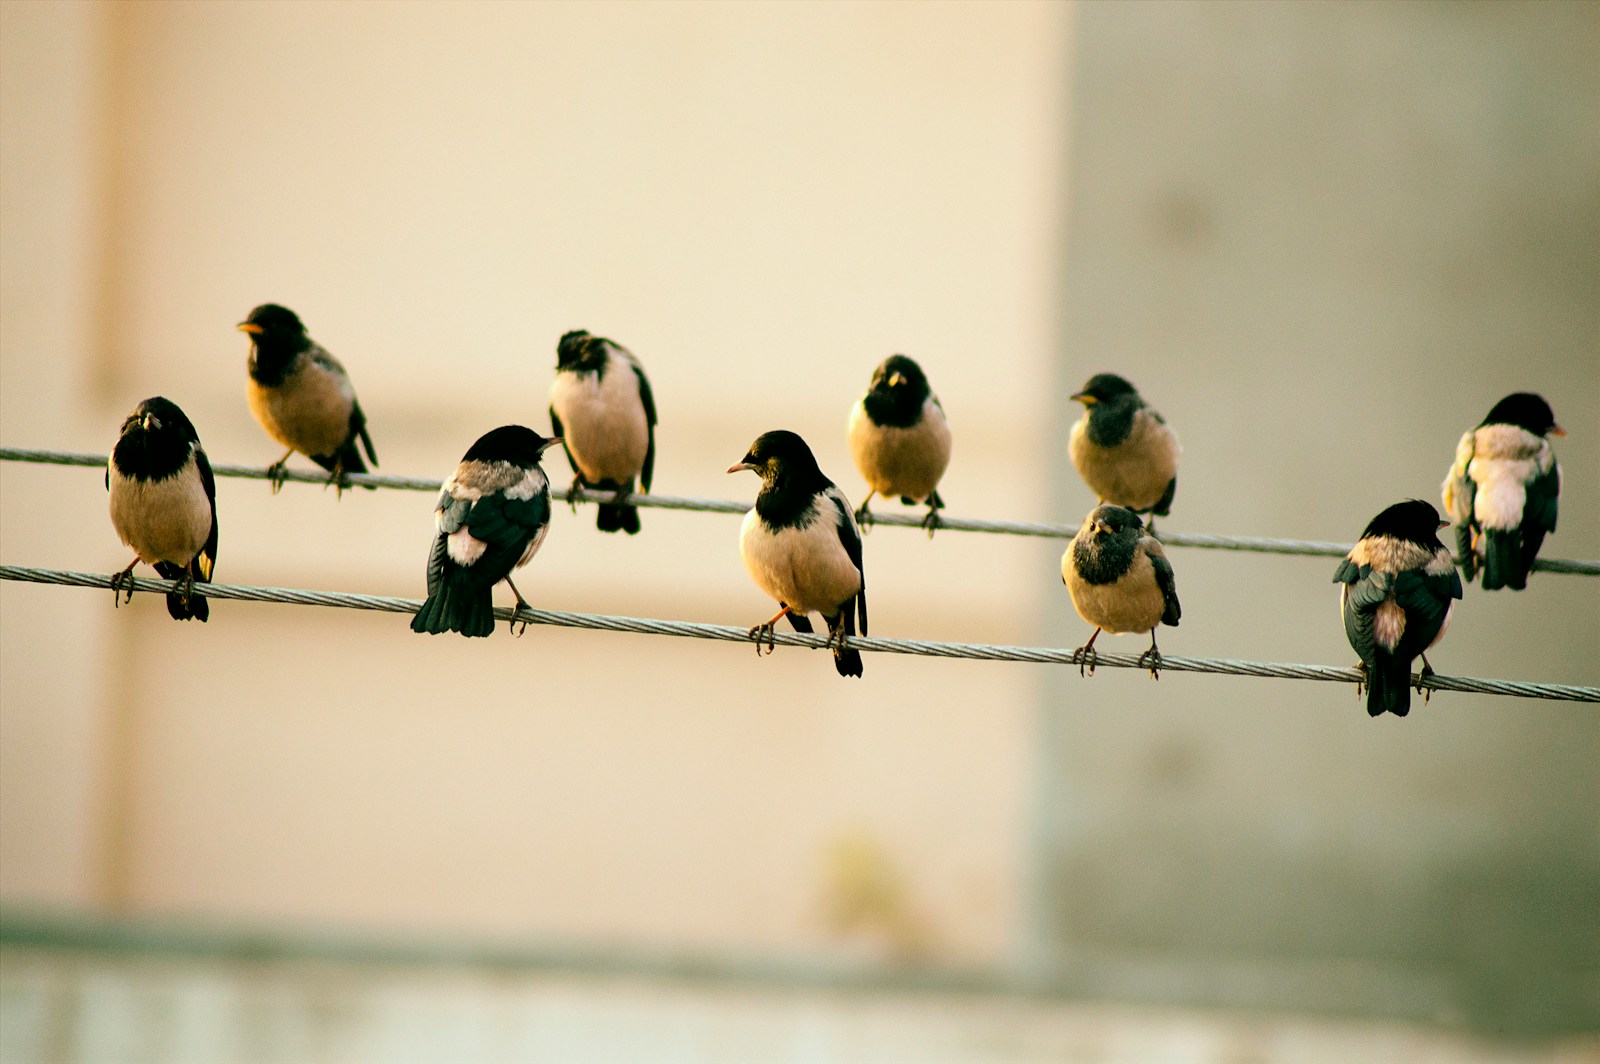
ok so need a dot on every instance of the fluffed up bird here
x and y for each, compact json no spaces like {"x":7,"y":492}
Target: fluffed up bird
{"x":1123,"y":449}
{"x":1505,"y":486}
{"x":491,"y":517}
{"x":1120,"y":581}
{"x":601,"y":407}
{"x":1400,"y":588}
{"x":900,"y":439}
{"x":164,"y":503}
{"x":302,"y":396}
{"x":802,"y":547}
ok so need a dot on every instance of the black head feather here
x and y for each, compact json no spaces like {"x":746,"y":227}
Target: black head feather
{"x":578,"y":350}
{"x":1112,"y":403}
{"x":897,"y":394}
{"x":790,"y":476}
{"x":1103,"y":550}
{"x":1412,"y":521}
{"x":1525,"y":410}
{"x":155,"y":441}
{"x":276,"y":337}
{"x":1105,"y":388}
{"x":516,"y":444}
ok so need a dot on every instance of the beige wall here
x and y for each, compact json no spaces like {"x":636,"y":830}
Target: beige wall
{"x":762,"y":201}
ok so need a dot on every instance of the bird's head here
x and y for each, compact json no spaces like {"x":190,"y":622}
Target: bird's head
{"x":516,"y":444}
{"x":1527,"y":411}
{"x":1104,"y":388}
{"x":898,"y":374}
{"x":579,"y":350}
{"x":1108,"y":521}
{"x":158,"y":415}
{"x":777,"y":454}
{"x":275,"y":327}
{"x":1412,"y":521}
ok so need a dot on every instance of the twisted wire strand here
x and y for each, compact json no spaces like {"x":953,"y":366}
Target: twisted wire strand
{"x":725,"y":633}
{"x":1253,"y":544}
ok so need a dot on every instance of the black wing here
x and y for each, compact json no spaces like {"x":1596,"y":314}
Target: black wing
{"x":1426,"y":599}
{"x":851,"y":538}
{"x":1364,"y":590}
{"x":1544,"y":499}
{"x":207,"y":560}
{"x":1171,"y":611}
{"x":358,"y":427}
{"x":645,"y":397}
{"x":507,"y":526}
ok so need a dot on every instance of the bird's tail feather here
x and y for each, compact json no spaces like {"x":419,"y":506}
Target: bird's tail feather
{"x":846,"y":660}
{"x":617,"y":519}
{"x":446,"y":610}
{"x":1388,"y":686}
{"x":195,"y":607}
{"x":1502,"y":561}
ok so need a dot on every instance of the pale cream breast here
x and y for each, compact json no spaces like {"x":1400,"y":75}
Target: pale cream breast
{"x":309,"y":411}
{"x":901,"y":461}
{"x":804,"y":567}
{"x":162,"y":520}
{"x":1504,"y":459}
{"x":1136,"y":472}
{"x":603,"y":421}
{"x":1131,"y":604}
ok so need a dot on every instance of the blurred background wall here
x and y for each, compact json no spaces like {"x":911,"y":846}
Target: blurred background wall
{"x":1323,"y":240}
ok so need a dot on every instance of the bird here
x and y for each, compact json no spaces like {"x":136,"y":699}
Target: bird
{"x":1123,"y":449}
{"x":164,"y":503}
{"x":1505,"y":487}
{"x":492,"y":517}
{"x":602,"y":408}
{"x":1399,"y":590}
{"x":900,"y":439}
{"x":303,"y":397}
{"x":1120,"y":581}
{"x":801,"y":546}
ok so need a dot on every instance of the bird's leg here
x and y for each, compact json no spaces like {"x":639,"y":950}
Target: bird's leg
{"x":123,"y":578}
{"x":277,"y":470}
{"x":765,"y":629}
{"x":1427,"y":671}
{"x":863,"y":515}
{"x":574,"y":490}
{"x":336,"y":478}
{"x":522,"y":604}
{"x":836,"y":634}
{"x":931,"y":521}
{"x":1361,"y":667}
{"x":1150,"y":525}
{"x":1154,"y":657}
{"x":188,"y":582}
{"x":1085,"y":656}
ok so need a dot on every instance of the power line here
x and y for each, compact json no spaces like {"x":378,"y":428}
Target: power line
{"x":1252,"y":544}
{"x":725,"y":633}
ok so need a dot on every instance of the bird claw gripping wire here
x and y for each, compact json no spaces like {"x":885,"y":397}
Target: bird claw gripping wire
{"x":1085,"y":658}
{"x":1154,"y":657}
{"x":574,"y":490}
{"x":278,"y":472}
{"x":763,"y":630}
{"x":931,"y":522}
{"x":1422,"y":678}
{"x":123,"y":581}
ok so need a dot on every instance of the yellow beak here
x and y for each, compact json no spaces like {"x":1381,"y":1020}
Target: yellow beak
{"x":250,"y":327}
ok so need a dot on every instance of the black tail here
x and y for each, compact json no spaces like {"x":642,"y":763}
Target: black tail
{"x":1469,"y":557}
{"x":450,"y":611}
{"x":1163,"y":506}
{"x":1388,"y":686}
{"x":846,"y":660}
{"x":182,"y":609}
{"x":617,"y":519}
{"x":1503,"y":565}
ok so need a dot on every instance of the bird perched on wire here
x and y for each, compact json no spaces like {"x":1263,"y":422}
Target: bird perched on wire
{"x":302,"y":396}
{"x":1505,"y":486}
{"x":492,"y":516}
{"x":1400,"y":588}
{"x":601,"y":407}
{"x":164,"y":503}
{"x":900,"y":439}
{"x":801,"y":546}
{"x":1120,"y":581}
{"x":1123,"y":449}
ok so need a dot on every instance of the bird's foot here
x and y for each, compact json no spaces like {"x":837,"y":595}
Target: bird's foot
{"x":1085,"y":658}
{"x":337,"y":481}
{"x":188,"y":584}
{"x":574,"y":490}
{"x":277,"y":473}
{"x":1153,"y":656}
{"x":1422,"y":677}
{"x":121,"y":582}
{"x":931,"y":522}
{"x":760,"y":632}
{"x":1361,"y":684}
{"x":521,"y":605}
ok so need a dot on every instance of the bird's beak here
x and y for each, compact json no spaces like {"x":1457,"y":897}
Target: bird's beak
{"x":1559,"y":431}
{"x":1101,"y":528}
{"x":250,"y":327}
{"x":549,"y":443}
{"x":1085,"y":398}
{"x":150,"y":421}
{"x":1444,"y":524}
{"x":745,"y":463}
{"x":896,"y":380}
